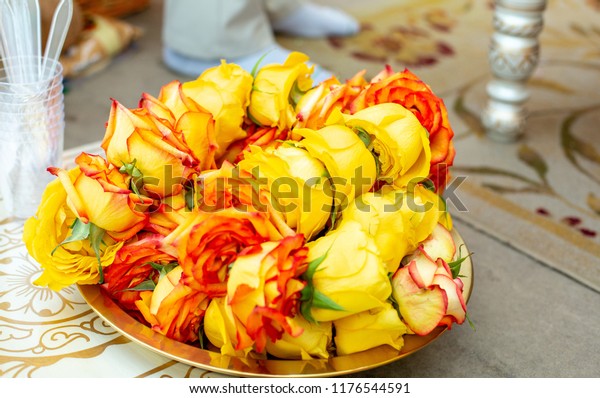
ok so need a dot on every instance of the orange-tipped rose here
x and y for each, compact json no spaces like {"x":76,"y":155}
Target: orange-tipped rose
{"x":317,"y":104}
{"x":174,"y":309}
{"x":100,"y":194}
{"x":257,"y":136}
{"x":231,"y":187}
{"x":408,"y":90}
{"x":190,"y":129}
{"x":132,"y":266}
{"x":206,"y":244}
{"x":133,"y":138}
{"x":264,"y":289}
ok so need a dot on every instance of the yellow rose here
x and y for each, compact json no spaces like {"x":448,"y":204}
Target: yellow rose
{"x":133,"y":138}
{"x":351,"y":273}
{"x":277,"y":87}
{"x":423,"y":208}
{"x":397,"y":219}
{"x":73,"y":262}
{"x":98,"y":193}
{"x":347,"y":160}
{"x":224,"y":91}
{"x":369,"y":329}
{"x":298,"y":184}
{"x":382,"y":218}
{"x":398,"y":139}
{"x":312,"y":343}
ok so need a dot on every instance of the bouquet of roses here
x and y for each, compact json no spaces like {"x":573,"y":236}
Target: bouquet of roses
{"x":264,"y":216}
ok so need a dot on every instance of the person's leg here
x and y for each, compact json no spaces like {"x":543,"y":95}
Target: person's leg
{"x":305,"y":19}
{"x":213,"y":29}
{"x":198,"y":34}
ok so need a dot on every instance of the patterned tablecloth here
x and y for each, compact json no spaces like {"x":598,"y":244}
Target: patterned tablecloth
{"x":53,"y":334}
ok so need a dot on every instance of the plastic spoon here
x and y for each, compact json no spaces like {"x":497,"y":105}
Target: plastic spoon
{"x":61,"y":20}
{"x":36,"y":31}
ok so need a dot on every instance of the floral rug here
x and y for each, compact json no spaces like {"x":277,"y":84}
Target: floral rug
{"x":541,"y":194}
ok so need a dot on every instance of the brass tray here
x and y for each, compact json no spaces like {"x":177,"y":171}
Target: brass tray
{"x":137,"y":332}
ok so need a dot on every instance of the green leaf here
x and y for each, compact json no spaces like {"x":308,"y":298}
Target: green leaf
{"x":310,"y":297}
{"x":255,"y":68}
{"x":428,"y":184}
{"x":135,"y":173}
{"x":163,"y":269}
{"x":367,"y":139}
{"x":295,"y":94}
{"x":364,"y":137}
{"x":143,"y":286}
{"x":201,"y":336}
{"x":79,"y":231}
{"x":189,"y":199}
{"x":333,"y":217}
{"x":470,"y":322}
{"x":456,"y":264}
{"x":322,"y":301}
{"x":130,"y":169}
{"x":96,"y":236}
{"x":313,"y":265}
{"x":305,"y":310}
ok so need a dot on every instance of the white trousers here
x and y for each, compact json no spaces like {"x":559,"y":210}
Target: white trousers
{"x":214,"y":29}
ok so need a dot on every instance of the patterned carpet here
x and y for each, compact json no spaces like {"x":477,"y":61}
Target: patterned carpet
{"x":541,"y":194}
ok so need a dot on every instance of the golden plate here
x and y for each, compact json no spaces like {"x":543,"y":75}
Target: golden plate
{"x":108,"y":310}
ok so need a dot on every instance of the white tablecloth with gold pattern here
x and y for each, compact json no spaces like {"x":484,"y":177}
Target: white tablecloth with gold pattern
{"x":53,"y":334}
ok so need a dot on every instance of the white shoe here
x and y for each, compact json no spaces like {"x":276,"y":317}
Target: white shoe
{"x":316,"y":21}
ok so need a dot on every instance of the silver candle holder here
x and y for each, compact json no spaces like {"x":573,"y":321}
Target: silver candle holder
{"x":514,"y":55}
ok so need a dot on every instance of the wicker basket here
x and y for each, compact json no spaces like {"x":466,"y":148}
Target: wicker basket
{"x":113,"y":8}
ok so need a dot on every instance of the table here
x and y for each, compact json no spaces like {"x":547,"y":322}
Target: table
{"x":530,"y":321}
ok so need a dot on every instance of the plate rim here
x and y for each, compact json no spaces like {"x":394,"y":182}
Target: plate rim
{"x":138,"y":333}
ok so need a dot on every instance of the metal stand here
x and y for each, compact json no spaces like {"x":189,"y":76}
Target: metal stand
{"x":514,"y":55}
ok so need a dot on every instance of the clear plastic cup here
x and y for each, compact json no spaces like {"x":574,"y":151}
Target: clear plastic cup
{"x":19,"y":77}
{"x":8,"y":119}
{"x":33,"y":110}
{"x":9,"y":100}
{"x":31,"y":134}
